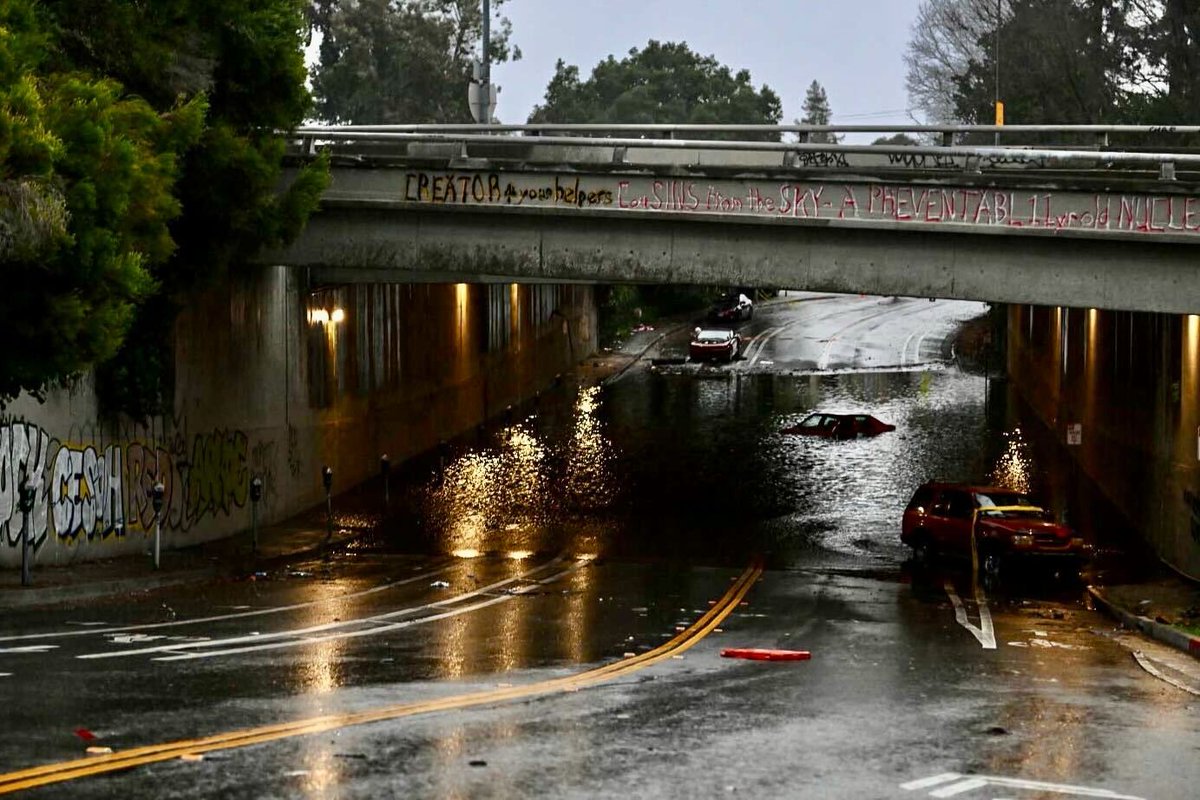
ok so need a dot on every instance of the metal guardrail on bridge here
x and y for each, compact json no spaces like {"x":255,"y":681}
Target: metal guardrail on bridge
{"x":940,"y":147}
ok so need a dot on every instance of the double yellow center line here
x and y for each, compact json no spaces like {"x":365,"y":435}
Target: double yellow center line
{"x":149,"y":754}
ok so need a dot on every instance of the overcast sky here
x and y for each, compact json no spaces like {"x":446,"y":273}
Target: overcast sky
{"x":854,"y":48}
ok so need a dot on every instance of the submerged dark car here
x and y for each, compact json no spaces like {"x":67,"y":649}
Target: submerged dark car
{"x":733,"y":307}
{"x":712,"y":344}
{"x":839,"y":426}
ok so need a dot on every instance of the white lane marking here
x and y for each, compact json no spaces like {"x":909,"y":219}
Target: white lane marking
{"x":1146,"y":665}
{"x":827,"y":353}
{"x":984,"y":632}
{"x":33,"y":648}
{"x":933,"y":780}
{"x":133,"y":638}
{"x":904,"y":349}
{"x":5,"y":674}
{"x":221,"y":617}
{"x":966,"y":785}
{"x":320,"y":628}
{"x":971,"y":782}
{"x":394,"y":626}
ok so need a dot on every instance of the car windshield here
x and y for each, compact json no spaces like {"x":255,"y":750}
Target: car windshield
{"x":712,"y":336}
{"x":989,"y":501}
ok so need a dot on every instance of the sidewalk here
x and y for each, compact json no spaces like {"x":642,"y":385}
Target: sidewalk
{"x":79,"y":584}
{"x":1166,"y":608}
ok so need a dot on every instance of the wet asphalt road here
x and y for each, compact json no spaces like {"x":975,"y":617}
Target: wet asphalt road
{"x":591,"y":534}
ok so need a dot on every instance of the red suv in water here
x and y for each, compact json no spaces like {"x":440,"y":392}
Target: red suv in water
{"x":999,"y":526}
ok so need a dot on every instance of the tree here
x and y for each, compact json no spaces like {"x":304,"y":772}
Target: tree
{"x":1162,"y":70}
{"x":897,"y":139}
{"x":1069,"y":66}
{"x":401,"y":61}
{"x":87,"y":176}
{"x":157,"y":126}
{"x":817,"y":112}
{"x":947,"y":36}
{"x":664,"y":82}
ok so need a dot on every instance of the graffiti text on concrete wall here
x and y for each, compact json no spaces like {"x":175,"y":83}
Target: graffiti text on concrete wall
{"x":865,"y":202}
{"x":94,"y":492}
{"x":491,"y":189}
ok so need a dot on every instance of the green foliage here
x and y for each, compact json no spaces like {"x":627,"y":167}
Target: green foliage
{"x":1067,"y":72}
{"x":401,"y":61}
{"x":902,"y":139}
{"x":138,"y":160}
{"x":90,"y":173}
{"x":662,"y":83}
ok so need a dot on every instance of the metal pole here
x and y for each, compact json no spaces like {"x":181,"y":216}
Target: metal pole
{"x":485,"y":90}
{"x":385,"y":467}
{"x":256,"y":490}
{"x":27,"y":491}
{"x":158,"y":493}
{"x":996,"y":66}
{"x":327,"y":479}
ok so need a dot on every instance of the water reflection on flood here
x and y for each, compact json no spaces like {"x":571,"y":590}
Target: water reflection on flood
{"x":694,"y":466}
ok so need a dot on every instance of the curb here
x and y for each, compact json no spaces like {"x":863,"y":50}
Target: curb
{"x":61,"y":594}
{"x":39,"y":596}
{"x":636,"y":357}
{"x":1155,"y":630}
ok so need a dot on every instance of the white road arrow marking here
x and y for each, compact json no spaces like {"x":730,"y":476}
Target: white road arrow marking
{"x":984,"y":632}
{"x":32,"y":648}
{"x":953,"y":783}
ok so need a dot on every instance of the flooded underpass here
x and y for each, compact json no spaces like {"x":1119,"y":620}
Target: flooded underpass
{"x":694,"y":467}
{"x":545,"y":607}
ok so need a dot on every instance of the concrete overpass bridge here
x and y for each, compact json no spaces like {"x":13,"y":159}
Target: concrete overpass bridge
{"x":1085,"y":222}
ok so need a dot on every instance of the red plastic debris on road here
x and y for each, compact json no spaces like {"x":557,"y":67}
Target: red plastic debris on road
{"x":85,"y":734}
{"x":756,"y":654}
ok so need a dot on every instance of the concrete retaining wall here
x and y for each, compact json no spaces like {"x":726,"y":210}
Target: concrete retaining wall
{"x":1131,"y":382}
{"x":276,"y":378}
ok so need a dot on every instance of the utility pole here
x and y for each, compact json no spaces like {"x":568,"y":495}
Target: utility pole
{"x":485,"y":95}
{"x":999,"y":110}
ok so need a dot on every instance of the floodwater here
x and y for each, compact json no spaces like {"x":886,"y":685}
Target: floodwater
{"x":690,"y":466}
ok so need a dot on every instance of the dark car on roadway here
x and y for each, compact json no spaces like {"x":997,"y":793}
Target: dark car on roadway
{"x":994,"y":526}
{"x":710,"y":344}
{"x":732,"y":307}
{"x":839,"y":426}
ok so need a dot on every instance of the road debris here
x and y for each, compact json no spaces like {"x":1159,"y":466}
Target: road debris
{"x":758,"y":654}
{"x":440,"y":585}
{"x":98,"y":750}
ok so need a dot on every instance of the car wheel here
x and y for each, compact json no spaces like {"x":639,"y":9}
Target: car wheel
{"x":923,"y":554}
{"x":992,"y":569}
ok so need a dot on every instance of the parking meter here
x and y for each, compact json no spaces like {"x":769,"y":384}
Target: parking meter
{"x":327,"y":481}
{"x":156,"y":500}
{"x":256,"y":491}
{"x":385,"y":468}
{"x":25,"y":499}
